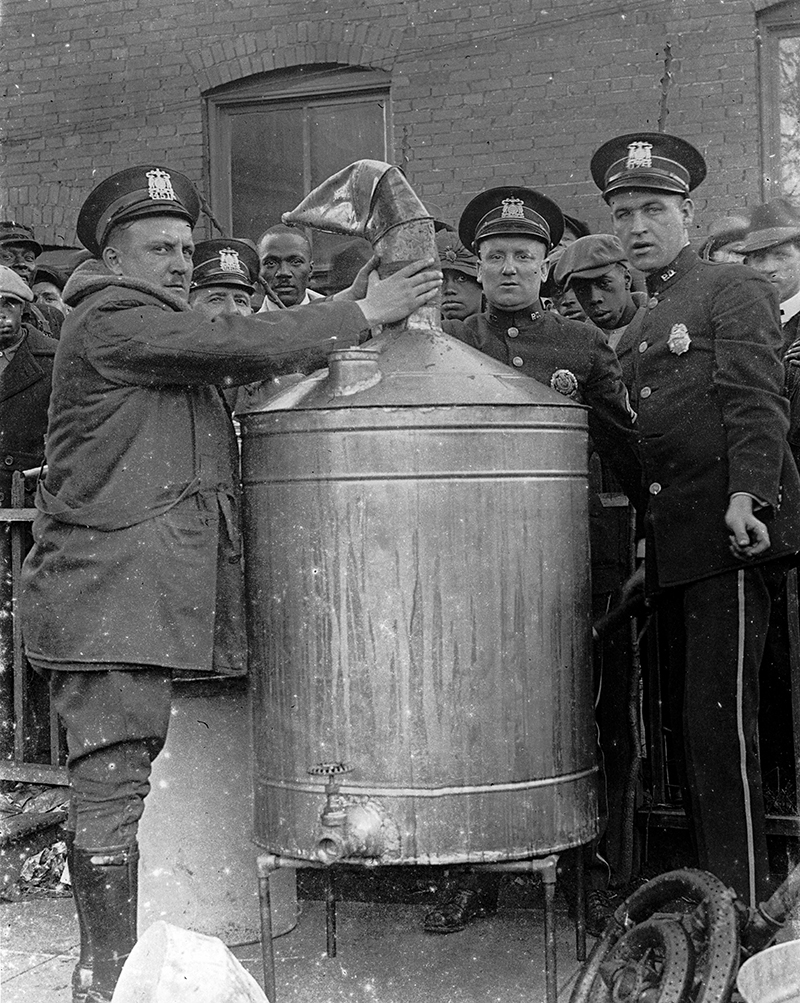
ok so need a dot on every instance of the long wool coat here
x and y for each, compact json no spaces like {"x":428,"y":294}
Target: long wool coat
{"x":137,"y":555}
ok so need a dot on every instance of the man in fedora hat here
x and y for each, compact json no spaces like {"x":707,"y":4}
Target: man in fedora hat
{"x":722,"y":522}
{"x":136,"y":570}
{"x":772,"y":247}
{"x":20,"y":250}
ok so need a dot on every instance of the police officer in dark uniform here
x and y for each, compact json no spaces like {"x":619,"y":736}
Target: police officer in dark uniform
{"x":723,"y":521}
{"x":136,"y":568}
{"x":224,"y":275}
{"x":512,"y":229}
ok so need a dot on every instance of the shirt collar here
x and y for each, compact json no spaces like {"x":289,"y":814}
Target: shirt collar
{"x":790,"y":307}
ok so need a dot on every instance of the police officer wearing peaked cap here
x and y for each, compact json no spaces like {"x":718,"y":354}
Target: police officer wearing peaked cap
{"x":722,"y":521}
{"x":512,"y":229}
{"x":139,"y":509}
{"x":224,"y":276}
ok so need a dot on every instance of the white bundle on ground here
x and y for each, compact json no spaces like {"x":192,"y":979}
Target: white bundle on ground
{"x":173,"y":965}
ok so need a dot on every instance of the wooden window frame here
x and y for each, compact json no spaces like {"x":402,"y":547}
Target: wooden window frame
{"x":774,"y":24}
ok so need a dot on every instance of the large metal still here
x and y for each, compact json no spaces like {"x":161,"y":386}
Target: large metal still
{"x":417,"y":560}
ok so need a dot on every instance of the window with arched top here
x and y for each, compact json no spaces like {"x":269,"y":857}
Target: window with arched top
{"x":779,"y":34}
{"x":274,"y":137}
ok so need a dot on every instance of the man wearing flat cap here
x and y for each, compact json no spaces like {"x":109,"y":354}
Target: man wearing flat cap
{"x":596,"y":268}
{"x":722,"y":522}
{"x":461,"y":292}
{"x":19,"y":250}
{"x":136,"y":569}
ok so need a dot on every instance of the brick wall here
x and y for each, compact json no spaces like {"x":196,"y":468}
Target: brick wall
{"x":482,"y":93}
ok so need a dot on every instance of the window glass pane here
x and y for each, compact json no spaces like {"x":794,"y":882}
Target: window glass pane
{"x":342,"y":133}
{"x":266,"y":167}
{"x":789,"y":112}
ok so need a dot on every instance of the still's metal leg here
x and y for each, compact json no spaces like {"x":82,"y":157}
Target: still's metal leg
{"x":330,"y":912}
{"x":266,"y":865}
{"x":580,"y":906}
{"x":551,"y":977}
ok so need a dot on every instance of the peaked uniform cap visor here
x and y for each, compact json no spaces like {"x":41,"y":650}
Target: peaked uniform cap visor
{"x":651,"y":160}
{"x":511,"y":211}
{"x":135,"y":193}
{"x":225,"y":262}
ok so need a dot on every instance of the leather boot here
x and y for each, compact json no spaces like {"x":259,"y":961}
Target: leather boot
{"x":104,"y":882}
{"x":82,"y":973}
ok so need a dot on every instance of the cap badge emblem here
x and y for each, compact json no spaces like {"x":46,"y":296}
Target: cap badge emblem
{"x":564,"y":382}
{"x":159,"y":185}
{"x":512,"y":209}
{"x":679,"y":340}
{"x":639,"y":155}
{"x":449,"y":254}
{"x":229,"y":260}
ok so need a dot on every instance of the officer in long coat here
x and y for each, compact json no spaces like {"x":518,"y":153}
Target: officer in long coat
{"x":723,"y":520}
{"x":136,"y":568}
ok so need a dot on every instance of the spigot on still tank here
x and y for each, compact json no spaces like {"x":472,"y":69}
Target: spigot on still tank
{"x":352,"y":826}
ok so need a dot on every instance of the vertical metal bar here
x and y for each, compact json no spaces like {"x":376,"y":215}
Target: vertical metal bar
{"x":330,"y":912}
{"x":266,"y":864}
{"x":549,"y":876}
{"x":6,"y":646}
{"x":20,"y":690}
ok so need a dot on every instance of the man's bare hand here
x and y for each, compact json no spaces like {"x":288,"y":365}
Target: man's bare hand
{"x":748,"y":535}
{"x":394,"y":298}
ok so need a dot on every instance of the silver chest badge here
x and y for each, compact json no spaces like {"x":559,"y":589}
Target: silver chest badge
{"x":679,"y":340}
{"x":564,"y":382}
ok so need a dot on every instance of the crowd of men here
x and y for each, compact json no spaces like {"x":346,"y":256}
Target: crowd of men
{"x":687,"y":367}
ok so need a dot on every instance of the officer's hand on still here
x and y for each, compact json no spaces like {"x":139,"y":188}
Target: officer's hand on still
{"x":748,"y":536}
{"x":394,"y":298}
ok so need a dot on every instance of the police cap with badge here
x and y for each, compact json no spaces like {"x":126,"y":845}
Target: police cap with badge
{"x":647,"y":160}
{"x":511,"y":211}
{"x":225,"y":261}
{"x":135,"y":193}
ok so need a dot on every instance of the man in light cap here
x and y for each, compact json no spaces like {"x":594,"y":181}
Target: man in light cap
{"x":596,"y":269}
{"x":461,"y":292}
{"x":136,"y":569}
{"x":722,"y":522}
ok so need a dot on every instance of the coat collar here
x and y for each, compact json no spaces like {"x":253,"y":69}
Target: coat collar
{"x":657,"y":282}
{"x":23,"y":370}
{"x":515,"y":318}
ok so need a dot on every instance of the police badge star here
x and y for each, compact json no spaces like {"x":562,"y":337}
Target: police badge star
{"x":679,"y":340}
{"x":564,"y":382}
